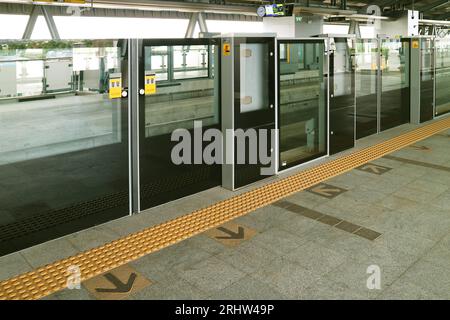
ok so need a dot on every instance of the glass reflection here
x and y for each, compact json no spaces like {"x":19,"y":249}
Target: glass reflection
{"x":187,"y":90}
{"x":366,"y":58}
{"x":395,"y":83}
{"x":64,"y":146}
{"x":302,"y":107}
{"x":442,"y":76}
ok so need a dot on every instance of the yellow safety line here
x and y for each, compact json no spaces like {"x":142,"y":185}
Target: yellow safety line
{"x":53,"y":277}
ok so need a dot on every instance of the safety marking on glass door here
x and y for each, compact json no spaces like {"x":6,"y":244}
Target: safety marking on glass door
{"x":116,"y":284}
{"x":231,"y":234}
{"x":326,"y":190}
{"x":374,"y":169}
{"x":53,"y":277}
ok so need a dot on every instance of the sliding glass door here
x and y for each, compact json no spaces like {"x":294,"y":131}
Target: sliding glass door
{"x":442,"y":76}
{"x":395,"y":94}
{"x":302,"y":112}
{"x":366,"y":65}
{"x":179,"y":92}
{"x":342,"y":94}
{"x":427,"y":75}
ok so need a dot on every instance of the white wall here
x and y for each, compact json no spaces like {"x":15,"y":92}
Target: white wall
{"x":72,"y":27}
{"x":12,"y":26}
{"x":227,"y":26}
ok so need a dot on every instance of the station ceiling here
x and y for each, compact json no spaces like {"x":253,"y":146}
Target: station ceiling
{"x":241,"y":9}
{"x":431,"y":9}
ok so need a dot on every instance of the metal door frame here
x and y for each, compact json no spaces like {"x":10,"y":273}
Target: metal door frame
{"x":228,"y":103}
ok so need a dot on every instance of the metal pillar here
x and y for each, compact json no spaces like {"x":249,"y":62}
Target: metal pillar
{"x":415,"y":80}
{"x":50,"y":23}
{"x":202,"y":23}
{"x":191,"y":26}
{"x":32,"y":23}
{"x":354,"y":29}
{"x":134,"y":52}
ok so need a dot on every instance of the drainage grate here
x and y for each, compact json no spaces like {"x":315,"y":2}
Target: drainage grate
{"x":51,"y":278}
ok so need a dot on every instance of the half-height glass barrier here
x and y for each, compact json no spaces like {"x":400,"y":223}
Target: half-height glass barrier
{"x":366,"y":60}
{"x":302,"y":102}
{"x":180,"y":84}
{"x":395,"y":98}
{"x":64,"y":147}
{"x":442,"y":75}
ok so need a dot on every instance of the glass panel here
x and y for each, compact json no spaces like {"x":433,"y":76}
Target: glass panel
{"x":157,"y":60}
{"x":254,"y":84}
{"x":426,"y":80}
{"x":190,"y":62}
{"x":64,"y":146}
{"x":395,"y":83}
{"x":366,"y":87}
{"x":302,"y":103}
{"x":342,"y":95}
{"x":254,"y":77}
{"x":442,"y":76}
{"x":177,"y":104}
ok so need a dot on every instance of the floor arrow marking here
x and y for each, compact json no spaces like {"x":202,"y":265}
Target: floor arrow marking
{"x":120,"y":286}
{"x":232,"y":235}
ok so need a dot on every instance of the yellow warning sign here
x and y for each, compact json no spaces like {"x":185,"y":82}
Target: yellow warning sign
{"x":150,"y":83}
{"x":226,"y":49}
{"x":115,"y":86}
{"x":415,"y":44}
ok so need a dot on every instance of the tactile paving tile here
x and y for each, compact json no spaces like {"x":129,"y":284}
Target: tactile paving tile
{"x":51,"y":278}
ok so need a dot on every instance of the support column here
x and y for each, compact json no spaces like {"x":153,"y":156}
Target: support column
{"x":415,"y":80}
{"x":354,"y":28}
{"x":202,"y":23}
{"x":31,"y":23}
{"x":191,"y":26}
{"x":50,"y":23}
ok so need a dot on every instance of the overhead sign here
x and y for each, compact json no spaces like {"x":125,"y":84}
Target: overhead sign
{"x":276,"y":10}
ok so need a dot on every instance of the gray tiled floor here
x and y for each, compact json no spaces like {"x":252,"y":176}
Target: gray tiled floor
{"x":292,"y":256}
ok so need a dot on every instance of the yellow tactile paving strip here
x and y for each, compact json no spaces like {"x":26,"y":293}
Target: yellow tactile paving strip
{"x":53,"y":277}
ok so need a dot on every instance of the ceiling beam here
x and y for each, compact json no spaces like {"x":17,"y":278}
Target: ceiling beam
{"x":433,"y":5}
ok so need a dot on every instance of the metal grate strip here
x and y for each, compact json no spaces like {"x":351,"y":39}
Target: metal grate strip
{"x":51,"y":278}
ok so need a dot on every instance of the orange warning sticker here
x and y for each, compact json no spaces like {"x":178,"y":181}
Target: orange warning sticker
{"x":226,"y":49}
{"x":415,"y":44}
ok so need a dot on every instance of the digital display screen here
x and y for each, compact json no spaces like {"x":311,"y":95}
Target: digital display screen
{"x":277,"y":10}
